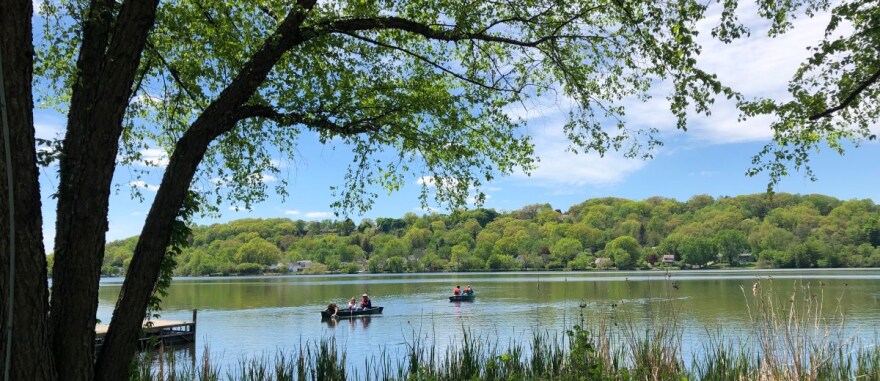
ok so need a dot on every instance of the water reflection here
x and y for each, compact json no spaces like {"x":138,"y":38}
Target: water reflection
{"x":165,"y":357}
{"x":353,"y":322}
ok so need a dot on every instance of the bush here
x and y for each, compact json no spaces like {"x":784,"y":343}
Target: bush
{"x":249,"y":268}
{"x":501,"y":262}
{"x":316,"y":268}
{"x":582,"y":262}
{"x":352,"y":268}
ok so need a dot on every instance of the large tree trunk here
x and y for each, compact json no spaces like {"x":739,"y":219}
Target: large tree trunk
{"x":31,"y":357}
{"x":143,"y":271}
{"x":108,"y":59}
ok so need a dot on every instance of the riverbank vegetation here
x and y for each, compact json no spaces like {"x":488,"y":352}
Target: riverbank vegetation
{"x":783,"y":230}
{"x":793,"y":335}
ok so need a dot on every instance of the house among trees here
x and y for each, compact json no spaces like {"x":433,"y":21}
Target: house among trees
{"x":668,"y":259}
{"x":281,"y":267}
{"x":300,"y":266}
{"x":603,"y":263}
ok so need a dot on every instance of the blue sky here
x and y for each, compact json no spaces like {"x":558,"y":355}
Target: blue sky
{"x":710,"y":158}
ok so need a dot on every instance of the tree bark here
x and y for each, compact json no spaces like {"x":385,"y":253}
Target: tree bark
{"x":31,"y":357}
{"x":107,"y":63}
{"x":219,"y":117}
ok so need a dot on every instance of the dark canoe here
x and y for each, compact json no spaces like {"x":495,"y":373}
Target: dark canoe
{"x":346,"y":313}
{"x":462,"y":298}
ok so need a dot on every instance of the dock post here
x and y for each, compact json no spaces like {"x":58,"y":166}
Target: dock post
{"x":195,"y":315}
{"x":192,"y":352}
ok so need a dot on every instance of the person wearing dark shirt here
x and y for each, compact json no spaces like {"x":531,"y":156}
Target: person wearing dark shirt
{"x":333,"y":309}
{"x":366,"y":302}
{"x":468,"y":290}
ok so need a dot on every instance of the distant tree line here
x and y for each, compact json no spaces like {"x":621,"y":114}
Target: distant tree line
{"x":782,"y":230}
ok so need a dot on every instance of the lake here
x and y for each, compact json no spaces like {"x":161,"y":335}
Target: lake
{"x":256,"y":316}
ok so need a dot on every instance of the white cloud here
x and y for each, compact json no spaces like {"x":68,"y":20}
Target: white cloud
{"x":148,"y":99}
{"x":47,"y":131}
{"x":561,"y":167}
{"x":235,"y":208}
{"x":279,"y":163}
{"x":319,"y":215}
{"x":723,"y":127}
{"x":38,"y":6}
{"x":265,"y":178}
{"x":472,"y":200}
{"x":653,"y":113}
{"x":292,"y":212}
{"x":153,"y":157}
{"x":143,"y":185}
{"x":757,"y":66}
{"x":536,"y":108}
{"x":704,"y":173}
{"x":558,"y":167}
{"x":760,"y":65}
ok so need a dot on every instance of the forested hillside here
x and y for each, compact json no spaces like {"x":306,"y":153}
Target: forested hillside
{"x":784,"y":230}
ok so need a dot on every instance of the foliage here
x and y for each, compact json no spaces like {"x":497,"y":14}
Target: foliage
{"x":564,"y":250}
{"x":835,"y":95}
{"x":180,"y":235}
{"x":697,"y":251}
{"x":258,"y":250}
{"x":730,"y":244}
{"x":501,"y":262}
{"x":792,"y":233}
{"x":624,"y":250}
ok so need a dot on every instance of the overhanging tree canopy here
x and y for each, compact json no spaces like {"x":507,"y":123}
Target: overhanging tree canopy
{"x":412,"y":88}
{"x":835,"y":94}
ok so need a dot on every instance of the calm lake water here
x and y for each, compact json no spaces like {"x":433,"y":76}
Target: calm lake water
{"x":256,"y":316}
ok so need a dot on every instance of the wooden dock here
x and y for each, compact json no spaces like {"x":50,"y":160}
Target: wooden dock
{"x":158,"y":332}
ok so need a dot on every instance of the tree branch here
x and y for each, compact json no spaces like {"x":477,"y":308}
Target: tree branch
{"x":436,"y":65}
{"x":849,"y":99}
{"x":175,"y":74}
{"x":364,"y":24}
{"x":352,"y":127}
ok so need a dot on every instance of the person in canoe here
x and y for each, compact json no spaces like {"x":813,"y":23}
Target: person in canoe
{"x":456,"y":291}
{"x":352,"y":303}
{"x":366,"y":303}
{"x":468,"y":290}
{"x":333,"y":309}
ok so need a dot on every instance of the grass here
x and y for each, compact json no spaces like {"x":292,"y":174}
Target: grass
{"x":793,"y":337}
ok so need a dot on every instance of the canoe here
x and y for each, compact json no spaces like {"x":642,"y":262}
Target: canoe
{"x":462,"y":298}
{"x":346,"y":313}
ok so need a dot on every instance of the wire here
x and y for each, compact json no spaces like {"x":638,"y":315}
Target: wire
{"x":9,"y":183}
